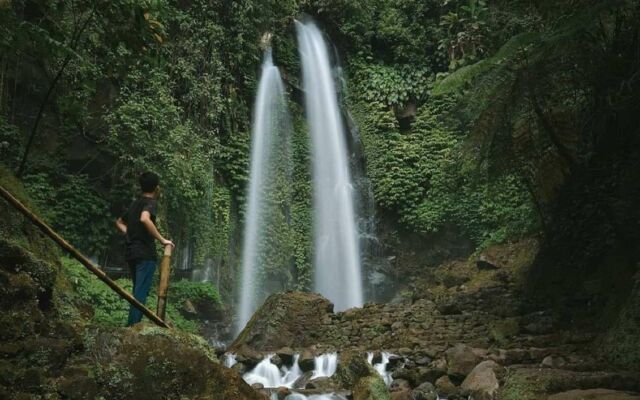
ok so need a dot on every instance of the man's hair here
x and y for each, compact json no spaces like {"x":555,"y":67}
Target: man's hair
{"x":149,"y":181}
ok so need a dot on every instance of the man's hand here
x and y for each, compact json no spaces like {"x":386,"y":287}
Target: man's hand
{"x":122,"y":227}
{"x":167,"y":242}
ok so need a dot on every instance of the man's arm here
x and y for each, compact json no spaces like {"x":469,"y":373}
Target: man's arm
{"x":122,"y":226}
{"x":145,"y":218}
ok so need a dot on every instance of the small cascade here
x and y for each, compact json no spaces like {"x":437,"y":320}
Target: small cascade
{"x":298,"y":396}
{"x":381,"y":367}
{"x":325,"y":365}
{"x":269,"y":375}
{"x":291,"y":375}
{"x":230,"y":360}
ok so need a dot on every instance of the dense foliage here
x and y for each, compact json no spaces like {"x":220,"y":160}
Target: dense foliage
{"x":472,"y":113}
{"x":111,"y":310}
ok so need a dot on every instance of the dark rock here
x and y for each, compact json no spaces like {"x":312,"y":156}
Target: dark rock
{"x":286,"y":355}
{"x":461,"y":360}
{"x":449,"y":308}
{"x":425,"y":391}
{"x":323,"y":384}
{"x":257,"y":386}
{"x":485,"y":263}
{"x":398,"y":385}
{"x":303,"y":380}
{"x":395,"y":361}
{"x":404,"y":394}
{"x":445,"y":387}
{"x":306,"y":361}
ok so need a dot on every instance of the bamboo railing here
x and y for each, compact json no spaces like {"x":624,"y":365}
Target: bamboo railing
{"x":46,"y":229}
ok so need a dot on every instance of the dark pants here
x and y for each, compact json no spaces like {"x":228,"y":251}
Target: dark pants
{"x":142,"y":275}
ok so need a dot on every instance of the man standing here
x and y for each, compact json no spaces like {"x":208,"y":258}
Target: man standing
{"x":138,"y":225}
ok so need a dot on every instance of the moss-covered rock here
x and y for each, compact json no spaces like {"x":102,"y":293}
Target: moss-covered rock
{"x":351,"y":368}
{"x":293,"y":319}
{"x":146,"y":362}
{"x":371,"y":388}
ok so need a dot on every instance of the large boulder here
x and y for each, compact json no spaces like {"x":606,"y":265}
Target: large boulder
{"x":461,"y":359}
{"x":483,"y":382}
{"x":147,"y":362}
{"x":292,"y":319}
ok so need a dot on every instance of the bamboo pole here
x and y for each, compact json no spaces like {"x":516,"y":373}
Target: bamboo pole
{"x":80,"y":257}
{"x":163,"y":286}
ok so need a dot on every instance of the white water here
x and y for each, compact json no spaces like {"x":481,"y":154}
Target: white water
{"x":270,"y":376}
{"x":298,"y":396}
{"x":270,"y":125}
{"x":336,"y":248}
{"x":381,"y":367}
{"x":230,"y":360}
{"x":325,"y":365}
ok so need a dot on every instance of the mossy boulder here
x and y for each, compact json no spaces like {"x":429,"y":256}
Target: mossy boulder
{"x":352,"y":367}
{"x":371,"y":388}
{"x":292,"y":319}
{"x":147,"y":362}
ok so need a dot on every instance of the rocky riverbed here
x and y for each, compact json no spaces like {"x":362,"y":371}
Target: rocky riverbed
{"x":462,"y":331}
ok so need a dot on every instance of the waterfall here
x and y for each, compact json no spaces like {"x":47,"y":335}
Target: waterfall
{"x":270,"y":131}
{"x":336,"y":248}
{"x":325,"y":365}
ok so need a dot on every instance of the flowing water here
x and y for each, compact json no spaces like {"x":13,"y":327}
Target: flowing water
{"x":230,"y":360}
{"x":270,"y":129}
{"x":325,"y":365}
{"x":270,"y":376}
{"x":381,"y":367}
{"x":338,"y":274}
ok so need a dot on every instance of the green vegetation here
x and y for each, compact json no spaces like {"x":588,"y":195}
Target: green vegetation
{"x":110,"y":310}
{"x":473,"y":114}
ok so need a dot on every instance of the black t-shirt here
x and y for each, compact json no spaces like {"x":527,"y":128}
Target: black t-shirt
{"x":140,"y":244}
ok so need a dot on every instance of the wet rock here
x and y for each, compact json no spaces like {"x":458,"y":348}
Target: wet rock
{"x":482,"y":383}
{"x":323,"y":384}
{"x":404,"y":394}
{"x":425,"y":391}
{"x":351,"y":368}
{"x":395,"y":361}
{"x":445,"y":387}
{"x":286,"y":355}
{"x":461,"y":360}
{"x":398,"y":385}
{"x":594,"y":394}
{"x":257,"y":386}
{"x":306,"y":361}
{"x":283,"y":392}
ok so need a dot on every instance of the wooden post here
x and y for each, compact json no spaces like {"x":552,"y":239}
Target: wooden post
{"x":163,"y":286}
{"x":46,"y":229}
